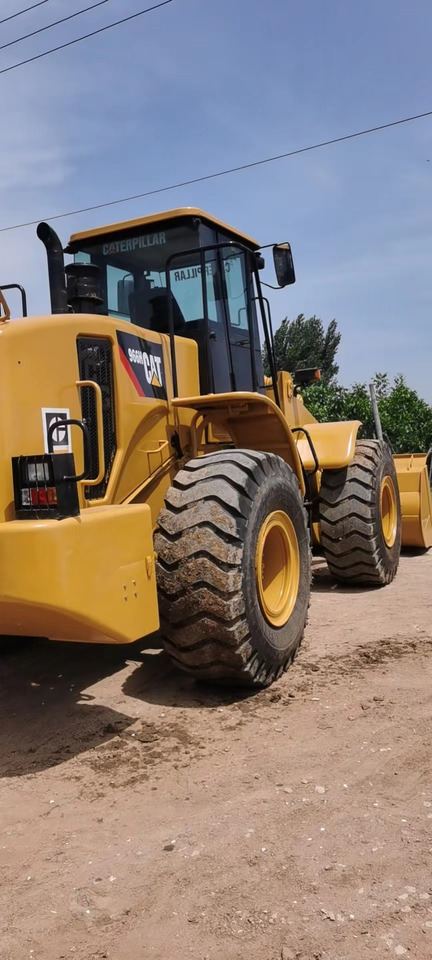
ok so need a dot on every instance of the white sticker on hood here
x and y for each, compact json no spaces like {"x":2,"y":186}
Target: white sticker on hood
{"x":61,"y":436}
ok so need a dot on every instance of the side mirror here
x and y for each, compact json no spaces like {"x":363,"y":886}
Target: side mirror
{"x":284,"y":264}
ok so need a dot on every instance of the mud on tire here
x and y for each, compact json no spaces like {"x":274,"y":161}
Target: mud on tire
{"x":353,"y":529}
{"x":211,"y":618}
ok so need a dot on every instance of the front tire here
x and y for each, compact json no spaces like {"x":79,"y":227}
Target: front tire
{"x":360,"y":517}
{"x":234,"y":567}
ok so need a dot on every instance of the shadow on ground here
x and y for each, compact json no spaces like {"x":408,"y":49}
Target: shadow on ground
{"x":177,"y":689}
{"x":45,"y":718}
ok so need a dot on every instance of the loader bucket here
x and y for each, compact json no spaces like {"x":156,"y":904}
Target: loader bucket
{"x":416,"y":500}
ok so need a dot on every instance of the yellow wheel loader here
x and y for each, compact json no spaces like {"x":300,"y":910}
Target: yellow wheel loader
{"x":152,"y":478}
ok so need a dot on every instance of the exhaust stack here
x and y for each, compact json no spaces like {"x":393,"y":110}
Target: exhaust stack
{"x":56,"y":268}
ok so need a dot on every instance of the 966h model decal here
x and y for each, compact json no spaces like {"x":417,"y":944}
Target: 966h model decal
{"x":144,"y":363}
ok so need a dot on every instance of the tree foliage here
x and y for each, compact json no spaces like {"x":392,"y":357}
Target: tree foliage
{"x":305,"y":343}
{"x":406,"y":419}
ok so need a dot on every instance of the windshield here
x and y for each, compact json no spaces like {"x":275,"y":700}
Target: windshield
{"x":133,"y":276}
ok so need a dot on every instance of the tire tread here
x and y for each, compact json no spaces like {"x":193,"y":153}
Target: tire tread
{"x":199,"y":544}
{"x":350,"y":521}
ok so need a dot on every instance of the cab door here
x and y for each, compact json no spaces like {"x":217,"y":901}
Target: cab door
{"x":241,"y":321}
{"x":213,"y":287}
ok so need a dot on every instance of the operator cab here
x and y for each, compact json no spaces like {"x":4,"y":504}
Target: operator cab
{"x":185,"y":273}
{"x":153,"y":265}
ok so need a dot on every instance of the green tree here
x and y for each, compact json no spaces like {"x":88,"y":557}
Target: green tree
{"x":331,"y":401}
{"x":305,"y":343}
{"x":406,"y":419}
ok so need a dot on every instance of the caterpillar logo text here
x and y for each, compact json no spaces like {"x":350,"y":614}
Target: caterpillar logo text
{"x":144,"y":364}
{"x":134,"y":243}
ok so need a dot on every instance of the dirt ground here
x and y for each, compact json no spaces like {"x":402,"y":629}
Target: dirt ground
{"x":147,"y":818}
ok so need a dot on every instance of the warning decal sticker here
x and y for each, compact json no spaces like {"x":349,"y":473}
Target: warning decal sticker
{"x":143,"y":361}
{"x":61,"y":437}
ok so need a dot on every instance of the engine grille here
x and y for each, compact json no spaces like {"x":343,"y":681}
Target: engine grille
{"x":95,"y":362}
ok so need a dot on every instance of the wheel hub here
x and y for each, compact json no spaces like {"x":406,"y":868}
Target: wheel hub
{"x":389,"y":513}
{"x":277,"y":567}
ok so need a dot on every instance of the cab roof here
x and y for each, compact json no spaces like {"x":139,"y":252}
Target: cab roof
{"x":160,"y":218}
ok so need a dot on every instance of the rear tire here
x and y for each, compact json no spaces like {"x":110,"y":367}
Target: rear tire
{"x":234,"y":567}
{"x":360,"y":517}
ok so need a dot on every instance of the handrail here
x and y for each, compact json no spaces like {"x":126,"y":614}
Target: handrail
{"x":17,"y":286}
{"x":100,"y":433}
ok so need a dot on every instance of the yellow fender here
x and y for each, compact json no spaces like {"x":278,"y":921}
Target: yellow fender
{"x":416,"y":501}
{"x":334,"y":444}
{"x":250,"y":420}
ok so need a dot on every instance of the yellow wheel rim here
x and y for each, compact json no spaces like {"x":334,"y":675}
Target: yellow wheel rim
{"x":277,"y":568}
{"x":389,"y":511}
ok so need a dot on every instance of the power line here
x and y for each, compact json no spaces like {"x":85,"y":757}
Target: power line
{"x":86,"y":36}
{"x":223,"y":173}
{"x":54,"y":24}
{"x":26,"y":10}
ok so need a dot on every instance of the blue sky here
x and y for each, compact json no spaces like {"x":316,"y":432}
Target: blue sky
{"x":199,"y":86}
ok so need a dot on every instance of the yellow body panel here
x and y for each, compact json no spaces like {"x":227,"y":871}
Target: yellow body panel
{"x":292,"y":405}
{"x":38,"y":360}
{"x":416,"y":500}
{"x":68,"y":579}
{"x":161,"y":218}
{"x":89,"y":578}
{"x":146,"y":425}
